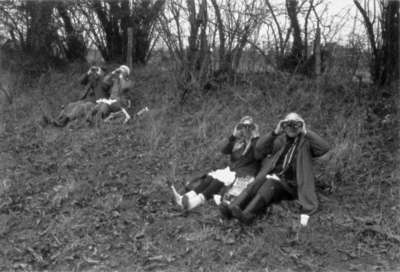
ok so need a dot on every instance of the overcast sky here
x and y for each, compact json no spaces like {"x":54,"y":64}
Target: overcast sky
{"x":340,"y":6}
{"x":340,"y":15}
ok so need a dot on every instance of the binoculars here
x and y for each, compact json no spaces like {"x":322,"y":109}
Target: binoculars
{"x":94,"y":70}
{"x":245,"y":126}
{"x":292,"y":124}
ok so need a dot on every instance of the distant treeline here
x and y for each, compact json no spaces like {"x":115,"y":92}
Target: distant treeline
{"x":205,"y":38}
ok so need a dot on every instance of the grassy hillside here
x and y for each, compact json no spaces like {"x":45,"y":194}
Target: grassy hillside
{"x":96,"y":199}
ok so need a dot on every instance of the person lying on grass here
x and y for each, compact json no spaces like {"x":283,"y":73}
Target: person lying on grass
{"x":286,"y":172}
{"x":108,"y":89}
{"x":120,"y":84}
{"x":240,"y":171}
{"x":93,"y":79}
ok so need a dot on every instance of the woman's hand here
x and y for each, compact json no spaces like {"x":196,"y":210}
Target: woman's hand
{"x":278,"y":130}
{"x":238,"y":133}
{"x":235,"y":132}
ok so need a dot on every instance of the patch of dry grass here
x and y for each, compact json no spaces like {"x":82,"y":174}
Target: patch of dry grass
{"x":96,"y":199}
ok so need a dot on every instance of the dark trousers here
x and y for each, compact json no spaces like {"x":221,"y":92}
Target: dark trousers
{"x":273,"y":191}
{"x":209,"y":187}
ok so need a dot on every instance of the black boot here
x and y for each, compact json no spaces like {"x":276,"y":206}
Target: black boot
{"x":237,"y":213}
{"x":225,"y":211}
{"x":249,"y":214}
{"x":240,"y":201}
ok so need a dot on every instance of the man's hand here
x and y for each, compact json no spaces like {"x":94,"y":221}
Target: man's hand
{"x":304,"y":129}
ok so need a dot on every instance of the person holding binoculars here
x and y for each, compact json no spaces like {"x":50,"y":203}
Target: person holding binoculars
{"x":240,"y":171}
{"x":286,"y":172}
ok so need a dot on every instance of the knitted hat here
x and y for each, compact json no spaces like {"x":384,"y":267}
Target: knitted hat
{"x":293,"y":117}
{"x":246,"y":120}
{"x":125,"y":69}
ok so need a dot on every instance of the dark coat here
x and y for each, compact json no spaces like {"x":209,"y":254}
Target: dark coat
{"x":270,"y":147}
{"x":243,"y":165}
{"x":99,"y":87}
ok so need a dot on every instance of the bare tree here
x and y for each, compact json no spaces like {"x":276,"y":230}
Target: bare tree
{"x":193,"y":60}
{"x":297,"y":47}
{"x":14,"y":20}
{"x":383,"y":34}
{"x":280,"y":38}
{"x":390,"y":42}
{"x":40,"y":32}
{"x":235,"y":23}
{"x":75,"y":47}
{"x":64,"y":29}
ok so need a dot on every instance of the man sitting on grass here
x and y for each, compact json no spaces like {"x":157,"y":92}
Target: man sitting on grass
{"x":286,"y":172}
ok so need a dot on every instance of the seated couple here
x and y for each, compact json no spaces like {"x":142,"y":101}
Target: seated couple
{"x":262,"y":170}
{"x":103,"y":96}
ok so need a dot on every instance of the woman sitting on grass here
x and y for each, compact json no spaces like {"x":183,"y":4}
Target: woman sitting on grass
{"x":241,"y":170}
{"x":286,"y":172}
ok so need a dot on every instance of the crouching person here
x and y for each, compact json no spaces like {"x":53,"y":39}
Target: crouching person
{"x":286,"y":172}
{"x":242,"y":166}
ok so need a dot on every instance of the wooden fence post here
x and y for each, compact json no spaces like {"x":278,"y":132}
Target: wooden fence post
{"x":129,"y":47}
{"x":317,"y":52}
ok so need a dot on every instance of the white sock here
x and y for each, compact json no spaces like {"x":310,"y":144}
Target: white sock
{"x":127,"y":116}
{"x":217,"y":199}
{"x":193,"y":200}
{"x":177,"y":196}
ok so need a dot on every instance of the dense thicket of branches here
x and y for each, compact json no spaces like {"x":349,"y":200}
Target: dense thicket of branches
{"x":115,"y":17}
{"x":206,"y":39}
{"x":65,"y":29}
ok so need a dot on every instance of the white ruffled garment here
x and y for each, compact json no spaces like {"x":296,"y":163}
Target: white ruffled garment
{"x":224,"y":175}
{"x":106,"y":101}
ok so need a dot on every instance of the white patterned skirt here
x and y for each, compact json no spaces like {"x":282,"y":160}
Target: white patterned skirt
{"x":237,"y":188}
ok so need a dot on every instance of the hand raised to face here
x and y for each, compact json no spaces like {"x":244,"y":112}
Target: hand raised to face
{"x":278,"y":129}
{"x":244,"y":130}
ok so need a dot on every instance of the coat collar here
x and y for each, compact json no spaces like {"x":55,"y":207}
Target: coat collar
{"x":283,"y":142}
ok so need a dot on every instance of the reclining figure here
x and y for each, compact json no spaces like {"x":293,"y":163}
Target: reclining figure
{"x":99,"y":87}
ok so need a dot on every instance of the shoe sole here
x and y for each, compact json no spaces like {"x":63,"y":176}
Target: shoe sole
{"x":239,"y":214}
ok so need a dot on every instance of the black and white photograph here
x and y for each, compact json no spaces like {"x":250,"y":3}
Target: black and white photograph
{"x":200,"y":135}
